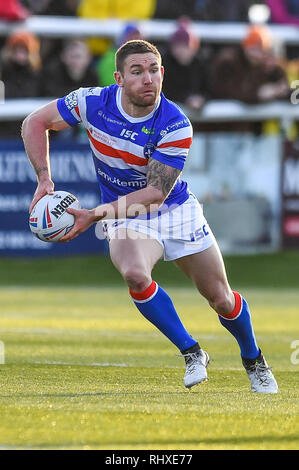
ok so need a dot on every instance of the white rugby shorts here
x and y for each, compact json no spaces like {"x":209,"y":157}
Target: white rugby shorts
{"x":182,"y":230}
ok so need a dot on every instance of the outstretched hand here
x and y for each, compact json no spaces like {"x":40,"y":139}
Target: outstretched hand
{"x":83,"y":220}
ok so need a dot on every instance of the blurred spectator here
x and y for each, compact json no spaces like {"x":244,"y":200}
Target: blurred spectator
{"x":21,"y":66}
{"x":51,"y":47}
{"x":284,"y":11}
{"x":227,"y":10}
{"x":126,"y":10}
{"x":249,"y":73}
{"x":168,"y":9}
{"x":21,"y":73}
{"x":71,"y":70}
{"x":12,"y":10}
{"x":52,"y":7}
{"x":184,"y":79}
{"x":106,"y":64}
{"x":204,"y":10}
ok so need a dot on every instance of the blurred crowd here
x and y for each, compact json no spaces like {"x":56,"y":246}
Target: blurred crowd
{"x":258,"y":70}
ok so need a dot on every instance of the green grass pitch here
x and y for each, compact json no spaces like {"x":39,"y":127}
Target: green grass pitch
{"x":84,"y":370}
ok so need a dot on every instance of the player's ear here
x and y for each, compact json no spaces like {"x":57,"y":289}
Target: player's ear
{"x":162,"y":71}
{"x":118,"y":78}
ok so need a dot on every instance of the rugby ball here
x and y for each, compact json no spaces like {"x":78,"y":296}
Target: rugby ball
{"x":49,"y":220}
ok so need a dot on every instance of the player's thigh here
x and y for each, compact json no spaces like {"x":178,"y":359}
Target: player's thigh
{"x":207,"y":271}
{"x":131,"y":252}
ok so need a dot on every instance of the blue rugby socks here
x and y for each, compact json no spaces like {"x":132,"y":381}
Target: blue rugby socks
{"x":238,"y":323}
{"x":157,"y":307}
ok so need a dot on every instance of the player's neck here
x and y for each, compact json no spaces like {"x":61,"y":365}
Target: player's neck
{"x":138,"y":111}
{"x":134,"y":110}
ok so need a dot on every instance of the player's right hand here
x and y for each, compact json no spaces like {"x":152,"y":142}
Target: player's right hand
{"x":83,"y":220}
{"x":43,"y":188}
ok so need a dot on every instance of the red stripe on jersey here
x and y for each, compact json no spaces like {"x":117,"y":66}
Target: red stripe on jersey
{"x":146,"y":294}
{"x":77,"y":111}
{"x":115,"y":153}
{"x":183,"y":143}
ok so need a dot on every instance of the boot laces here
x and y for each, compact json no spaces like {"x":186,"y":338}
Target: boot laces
{"x":192,"y":359}
{"x":262,"y":373}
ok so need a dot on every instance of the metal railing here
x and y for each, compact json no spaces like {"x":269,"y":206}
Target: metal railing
{"x":155,"y":29}
{"x":213,"y":111}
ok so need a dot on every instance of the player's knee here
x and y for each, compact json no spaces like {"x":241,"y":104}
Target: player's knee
{"x":136,"y":279}
{"x":222,"y":302}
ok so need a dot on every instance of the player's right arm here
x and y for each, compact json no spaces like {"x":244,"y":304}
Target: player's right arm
{"x":35,"y":129}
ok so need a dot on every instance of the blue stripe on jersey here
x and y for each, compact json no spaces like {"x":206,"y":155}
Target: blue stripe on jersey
{"x":178,"y":162}
{"x":114,"y":181}
{"x":117,"y":182}
{"x":65,"y":113}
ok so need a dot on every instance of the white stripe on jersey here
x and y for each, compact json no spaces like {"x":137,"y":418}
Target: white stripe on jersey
{"x":91,"y":91}
{"x":178,"y":134}
{"x":82,"y":106}
{"x":75,"y":114}
{"x":117,"y":162}
{"x":174,"y":151}
{"x":117,"y":142}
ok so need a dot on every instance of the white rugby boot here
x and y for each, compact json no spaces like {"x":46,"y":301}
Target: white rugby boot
{"x":196,"y":361}
{"x":260,"y":375}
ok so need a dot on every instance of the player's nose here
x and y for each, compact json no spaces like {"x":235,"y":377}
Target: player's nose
{"x":147,"y":78}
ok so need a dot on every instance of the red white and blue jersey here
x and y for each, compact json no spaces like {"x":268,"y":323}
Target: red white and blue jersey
{"x":121,"y":144}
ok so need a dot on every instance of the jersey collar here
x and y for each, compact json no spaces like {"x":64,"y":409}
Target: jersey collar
{"x":131,"y":118}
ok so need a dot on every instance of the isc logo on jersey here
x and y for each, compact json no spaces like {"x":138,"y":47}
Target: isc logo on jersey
{"x":128,"y":134}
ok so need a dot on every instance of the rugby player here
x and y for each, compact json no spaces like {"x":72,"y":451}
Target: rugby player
{"x":139,"y":142}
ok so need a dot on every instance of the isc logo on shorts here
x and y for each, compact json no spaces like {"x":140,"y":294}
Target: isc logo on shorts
{"x":199,"y":234}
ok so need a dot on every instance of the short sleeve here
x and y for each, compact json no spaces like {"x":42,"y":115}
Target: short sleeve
{"x":69,"y":109}
{"x":173,"y":148}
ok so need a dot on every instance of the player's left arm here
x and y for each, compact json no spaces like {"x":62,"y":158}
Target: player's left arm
{"x":161,"y":178}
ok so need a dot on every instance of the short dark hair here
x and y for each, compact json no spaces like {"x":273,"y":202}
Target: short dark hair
{"x":135,"y":46}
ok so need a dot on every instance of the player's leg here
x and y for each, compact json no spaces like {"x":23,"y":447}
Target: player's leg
{"x":206,"y":269}
{"x":134,"y":257}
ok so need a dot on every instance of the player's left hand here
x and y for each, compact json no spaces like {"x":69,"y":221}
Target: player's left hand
{"x":83,"y":220}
